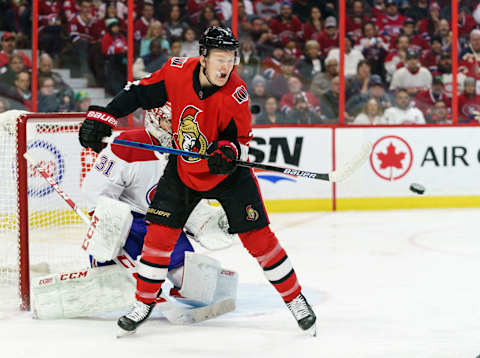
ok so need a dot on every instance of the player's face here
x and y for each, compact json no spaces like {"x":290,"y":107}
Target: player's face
{"x":219,"y":65}
{"x":166,"y":125}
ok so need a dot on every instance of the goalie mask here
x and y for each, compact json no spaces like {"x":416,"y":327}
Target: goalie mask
{"x":158,"y":122}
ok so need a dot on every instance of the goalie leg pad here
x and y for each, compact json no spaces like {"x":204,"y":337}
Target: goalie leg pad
{"x":205,"y":282}
{"x":83,"y":293}
{"x":109,"y":228}
{"x":200,"y":275}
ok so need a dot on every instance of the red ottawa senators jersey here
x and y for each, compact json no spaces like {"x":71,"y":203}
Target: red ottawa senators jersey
{"x":199,"y":115}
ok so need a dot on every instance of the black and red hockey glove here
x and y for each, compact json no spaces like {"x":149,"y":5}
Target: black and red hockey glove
{"x":223,"y":155}
{"x":98,"y":124}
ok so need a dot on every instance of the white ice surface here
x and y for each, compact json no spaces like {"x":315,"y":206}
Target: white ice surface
{"x":383,"y":284}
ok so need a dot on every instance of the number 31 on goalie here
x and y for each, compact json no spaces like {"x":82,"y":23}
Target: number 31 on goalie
{"x":105,"y":165}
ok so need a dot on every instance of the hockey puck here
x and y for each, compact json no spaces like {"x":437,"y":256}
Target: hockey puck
{"x":417,"y":188}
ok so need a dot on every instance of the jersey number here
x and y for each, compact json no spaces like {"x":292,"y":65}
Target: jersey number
{"x":105,"y":165}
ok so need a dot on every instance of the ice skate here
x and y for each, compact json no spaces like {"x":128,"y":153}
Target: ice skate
{"x":137,"y":315}
{"x":304,"y":314}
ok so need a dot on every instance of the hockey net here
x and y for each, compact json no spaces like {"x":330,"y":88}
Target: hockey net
{"x":39,"y":233}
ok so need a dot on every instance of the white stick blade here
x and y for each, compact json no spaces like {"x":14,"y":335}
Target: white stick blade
{"x":355,"y":163}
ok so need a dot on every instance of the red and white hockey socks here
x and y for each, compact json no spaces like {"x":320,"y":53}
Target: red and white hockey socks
{"x":264,"y":246}
{"x":153,"y":266}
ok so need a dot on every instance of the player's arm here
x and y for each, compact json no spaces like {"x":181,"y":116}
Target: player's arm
{"x":234,"y":136}
{"x":146,"y":93}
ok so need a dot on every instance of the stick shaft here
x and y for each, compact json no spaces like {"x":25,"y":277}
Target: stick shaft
{"x":157,"y":148}
{"x":55,"y":186}
{"x":124,"y":260}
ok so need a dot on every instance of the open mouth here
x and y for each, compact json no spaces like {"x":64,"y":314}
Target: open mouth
{"x":221,"y":75}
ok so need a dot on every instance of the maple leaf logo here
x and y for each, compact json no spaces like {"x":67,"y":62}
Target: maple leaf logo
{"x":391,"y":159}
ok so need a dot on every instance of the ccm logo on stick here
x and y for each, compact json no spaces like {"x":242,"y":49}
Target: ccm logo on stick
{"x":73,"y":275}
{"x":90,"y":232}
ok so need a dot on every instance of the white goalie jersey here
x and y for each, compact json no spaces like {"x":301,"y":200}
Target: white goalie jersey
{"x":131,"y":176}
{"x":126,"y":174}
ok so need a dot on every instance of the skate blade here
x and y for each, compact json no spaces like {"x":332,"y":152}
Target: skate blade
{"x":312,"y":331}
{"x":123,"y":333}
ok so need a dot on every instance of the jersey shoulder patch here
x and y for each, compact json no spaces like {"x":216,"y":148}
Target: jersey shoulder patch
{"x":132,"y":155}
{"x":178,"y":61}
{"x":237,"y":89}
{"x":240,"y":94}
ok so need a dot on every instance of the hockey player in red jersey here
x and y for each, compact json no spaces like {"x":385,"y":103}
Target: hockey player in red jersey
{"x":210,"y":115}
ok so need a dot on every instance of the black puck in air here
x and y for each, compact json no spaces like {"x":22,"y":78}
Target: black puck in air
{"x":417,"y":188}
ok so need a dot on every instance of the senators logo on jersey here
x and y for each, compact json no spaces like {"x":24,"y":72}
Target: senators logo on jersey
{"x":252,"y":214}
{"x":189,"y":137}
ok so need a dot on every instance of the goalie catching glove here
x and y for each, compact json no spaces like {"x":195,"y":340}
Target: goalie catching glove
{"x":223,"y":155}
{"x":97,"y":125}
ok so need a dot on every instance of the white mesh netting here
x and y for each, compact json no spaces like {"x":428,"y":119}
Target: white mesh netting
{"x":55,"y":231}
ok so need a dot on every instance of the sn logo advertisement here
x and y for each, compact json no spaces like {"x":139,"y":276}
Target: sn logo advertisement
{"x":272,"y":150}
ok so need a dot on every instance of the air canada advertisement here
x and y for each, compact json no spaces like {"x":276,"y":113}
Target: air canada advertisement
{"x":446,"y":160}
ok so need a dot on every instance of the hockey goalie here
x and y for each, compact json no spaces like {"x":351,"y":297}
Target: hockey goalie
{"x":119,"y":189}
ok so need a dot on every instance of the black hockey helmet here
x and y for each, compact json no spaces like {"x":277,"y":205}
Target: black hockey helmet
{"x":218,"y":37}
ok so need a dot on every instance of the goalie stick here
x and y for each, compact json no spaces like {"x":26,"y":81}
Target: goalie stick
{"x":334,"y":176}
{"x":175,"y":315}
{"x":123,"y":260}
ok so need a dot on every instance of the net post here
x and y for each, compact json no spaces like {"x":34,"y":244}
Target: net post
{"x":22,"y":194}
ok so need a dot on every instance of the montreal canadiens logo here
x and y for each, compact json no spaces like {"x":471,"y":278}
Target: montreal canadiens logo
{"x":151,"y":194}
{"x":391,"y":157}
{"x":470,"y":109}
{"x":52,"y":160}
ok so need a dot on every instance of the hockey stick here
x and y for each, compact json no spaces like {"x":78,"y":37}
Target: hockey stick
{"x":175,"y":315}
{"x":334,"y":176}
{"x":124,"y":259}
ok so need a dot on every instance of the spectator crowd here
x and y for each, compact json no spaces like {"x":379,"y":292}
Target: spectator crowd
{"x":398,"y":54}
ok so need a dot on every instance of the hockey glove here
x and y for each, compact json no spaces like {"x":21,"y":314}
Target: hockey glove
{"x":223,"y":155}
{"x":97,"y":125}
